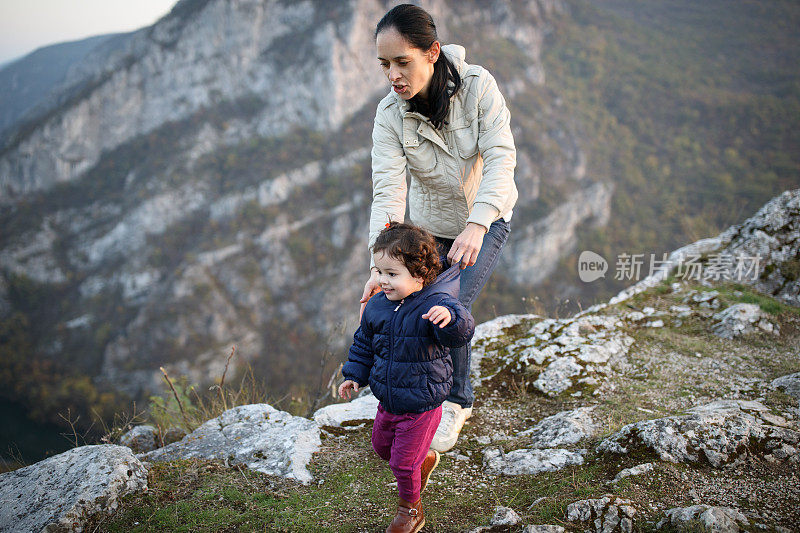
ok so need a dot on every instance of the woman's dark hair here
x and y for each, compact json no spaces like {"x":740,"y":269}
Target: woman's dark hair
{"x":417,"y":27}
{"x":412,"y":245}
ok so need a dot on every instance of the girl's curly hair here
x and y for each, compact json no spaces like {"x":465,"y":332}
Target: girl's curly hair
{"x":412,"y":245}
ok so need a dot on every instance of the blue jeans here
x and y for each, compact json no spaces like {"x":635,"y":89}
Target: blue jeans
{"x":473,"y":278}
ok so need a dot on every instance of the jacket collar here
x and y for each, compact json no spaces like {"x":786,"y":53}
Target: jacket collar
{"x":448,"y":282}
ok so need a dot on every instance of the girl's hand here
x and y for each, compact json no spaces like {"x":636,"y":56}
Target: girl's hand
{"x":467,"y":245}
{"x":344,"y":388}
{"x":371,"y":288}
{"x":437,"y":314}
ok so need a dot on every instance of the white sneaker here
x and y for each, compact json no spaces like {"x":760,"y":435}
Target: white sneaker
{"x":453,"y":418}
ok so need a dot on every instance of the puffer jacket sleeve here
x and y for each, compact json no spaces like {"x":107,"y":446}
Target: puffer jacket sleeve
{"x":461,"y":327}
{"x":496,"y":145}
{"x":361,"y":356}
{"x":389,"y":186}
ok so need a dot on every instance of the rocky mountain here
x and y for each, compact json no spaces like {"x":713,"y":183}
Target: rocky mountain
{"x":209,"y":185}
{"x":204,"y":182}
{"x":32,"y":84}
{"x":673,"y":406}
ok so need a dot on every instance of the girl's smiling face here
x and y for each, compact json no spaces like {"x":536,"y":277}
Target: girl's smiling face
{"x":395,"y":279}
{"x":409,"y":69}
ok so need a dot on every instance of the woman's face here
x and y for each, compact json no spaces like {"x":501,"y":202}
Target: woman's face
{"x":409,"y":69}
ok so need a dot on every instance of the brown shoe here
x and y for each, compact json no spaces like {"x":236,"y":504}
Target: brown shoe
{"x":431,"y":461}
{"x":409,"y":518}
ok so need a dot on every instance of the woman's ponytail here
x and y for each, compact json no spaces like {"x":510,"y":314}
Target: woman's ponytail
{"x":440,"y":90}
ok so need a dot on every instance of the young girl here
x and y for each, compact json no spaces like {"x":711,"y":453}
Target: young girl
{"x":402,"y":349}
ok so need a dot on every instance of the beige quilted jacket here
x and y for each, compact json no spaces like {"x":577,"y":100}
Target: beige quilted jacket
{"x":462,"y":173}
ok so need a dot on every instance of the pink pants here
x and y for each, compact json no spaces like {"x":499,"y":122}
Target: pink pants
{"x":404,"y":441}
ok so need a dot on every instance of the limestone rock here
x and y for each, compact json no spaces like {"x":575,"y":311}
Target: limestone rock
{"x":556,"y":378}
{"x":562,"y":429}
{"x":486,"y":333}
{"x":62,"y":492}
{"x":505,"y":516}
{"x":258,"y":436}
{"x":772,"y":236}
{"x":790,"y":384}
{"x":173,"y":434}
{"x":681,"y":311}
{"x":140,"y":439}
{"x":547,"y":528}
{"x":528,"y":461}
{"x":576,"y":352}
{"x":633,"y":471}
{"x":741,"y":319}
{"x":718,"y":433}
{"x":714,"y":519}
{"x":353,"y":412}
{"x":703,"y":297}
{"x":607,"y":514}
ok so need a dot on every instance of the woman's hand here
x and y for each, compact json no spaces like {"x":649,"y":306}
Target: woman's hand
{"x":467,"y":245}
{"x":437,"y":314}
{"x":371,"y":288}
{"x":344,"y":388}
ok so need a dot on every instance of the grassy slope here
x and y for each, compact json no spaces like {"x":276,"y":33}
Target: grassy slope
{"x":668,"y":370}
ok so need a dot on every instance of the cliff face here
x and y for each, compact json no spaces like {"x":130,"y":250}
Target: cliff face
{"x":26,"y":84}
{"x":205,"y":182}
{"x":303,"y":64}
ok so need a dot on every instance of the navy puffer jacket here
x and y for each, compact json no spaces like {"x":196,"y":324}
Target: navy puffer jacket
{"x":405,"y":358}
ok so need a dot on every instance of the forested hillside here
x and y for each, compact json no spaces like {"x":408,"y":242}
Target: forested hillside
{"x":689,"y":108}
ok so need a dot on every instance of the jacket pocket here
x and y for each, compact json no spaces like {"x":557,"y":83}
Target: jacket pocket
{"x":465,"y":134}
{"x":421,"y":158}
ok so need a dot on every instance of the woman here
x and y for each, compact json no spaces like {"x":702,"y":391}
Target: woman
{"x":445,"y":121}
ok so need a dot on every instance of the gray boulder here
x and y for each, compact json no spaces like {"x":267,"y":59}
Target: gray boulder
{"x":62,"y":492}
{"x":558,"y":376}
{"x":718,"y":433}
{"x":765,"y":245}
{"x":258,"y":436}
{"x":607,"y":514}
{"x":789,"y":384}
{"x":528,"y":461}
{"x":637,"y":470}
{"x":140,"y":439}
{"x":562,"y":429}
{"x":173,"y":434}
{"x":714,"y":519}
{"x":741,"y":319}
{"x":505,"y":516}
{"x":772,"y":236}
{"x":361,"y":409}
{"x":575,"y":353}
{"x":488,"y":333}
{"x":547,"y":528}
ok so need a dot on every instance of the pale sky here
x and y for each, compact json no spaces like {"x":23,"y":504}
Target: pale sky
{"x":26,"y":25}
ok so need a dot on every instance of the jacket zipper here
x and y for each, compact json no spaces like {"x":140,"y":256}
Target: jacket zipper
{"x":391,"y":356}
